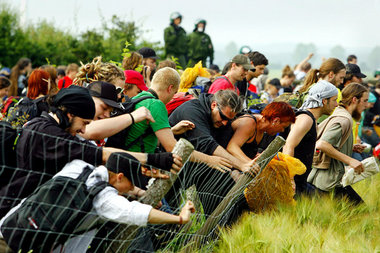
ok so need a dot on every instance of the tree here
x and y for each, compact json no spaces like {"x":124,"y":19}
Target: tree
{"x":338,"y":52}
{"x":48,"y":42}
{"x":302,"y":50}
{"x":43,"y":42}
{"x":374,"y":58}
{"x":89,"y":46}
{"x":12,"y":39}
{"x":119,"y":31}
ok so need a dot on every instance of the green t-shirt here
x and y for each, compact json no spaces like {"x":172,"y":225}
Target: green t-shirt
{"x":159,"y":114}
{"x":327,"y":179}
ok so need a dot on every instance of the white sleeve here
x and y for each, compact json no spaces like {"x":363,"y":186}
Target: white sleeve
{"x":111,"y":206}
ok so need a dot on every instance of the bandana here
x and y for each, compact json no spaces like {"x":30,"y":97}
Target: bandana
{"x":317,"y":92}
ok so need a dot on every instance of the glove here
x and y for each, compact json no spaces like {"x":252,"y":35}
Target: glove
{"x":161,"y":160}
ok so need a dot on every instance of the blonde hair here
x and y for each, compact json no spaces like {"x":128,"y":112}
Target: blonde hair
{"x":165,"y":77}
{"x":72,"y":67}
{"x":98,"y":71}
{"x":166,"y":63}
{"x":287,"y":71}
{"x":133,"y":61}
{"x":331,"y":64}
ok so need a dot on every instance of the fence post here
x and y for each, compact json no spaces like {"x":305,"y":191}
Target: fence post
{"x":233,"y":194}
{"x":126,"y":233}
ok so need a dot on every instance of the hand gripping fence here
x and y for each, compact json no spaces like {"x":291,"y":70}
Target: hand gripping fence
{"x":232,"y":195}
{"x":153,"y":196}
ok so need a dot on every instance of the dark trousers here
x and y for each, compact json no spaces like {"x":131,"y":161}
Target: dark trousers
{"x":349,"y":193}
{"x":344,"y":192}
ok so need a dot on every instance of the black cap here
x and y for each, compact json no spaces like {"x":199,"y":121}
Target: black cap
{"x":120,"y":162}
{"x":147,"y":52}
{"x":77,"y":100}
{"x":105,"y":91}
{"x":276,"y":82}
{"x":61,"y":72}
{"x":355,"y":70}
{"x":214,"y":67}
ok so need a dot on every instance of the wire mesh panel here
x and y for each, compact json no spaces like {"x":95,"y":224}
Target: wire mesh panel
{"x":55,"y":212}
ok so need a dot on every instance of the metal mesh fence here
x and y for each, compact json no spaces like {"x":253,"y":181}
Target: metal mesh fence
{"x":41,"y":156}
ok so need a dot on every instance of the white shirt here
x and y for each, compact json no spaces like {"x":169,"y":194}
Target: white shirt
{"x":300,"y":75}
{"x":108,"y":204}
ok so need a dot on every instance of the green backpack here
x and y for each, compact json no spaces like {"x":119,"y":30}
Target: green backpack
{"x":295,"y":100}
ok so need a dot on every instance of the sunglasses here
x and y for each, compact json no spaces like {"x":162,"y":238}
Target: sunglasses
{"x":119,"y":90}
{"x":222,"y":115}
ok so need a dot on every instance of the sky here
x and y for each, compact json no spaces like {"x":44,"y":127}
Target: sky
{"x":270,"y":25}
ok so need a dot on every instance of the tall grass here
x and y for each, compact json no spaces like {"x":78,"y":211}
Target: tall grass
{"x":319,"y":224}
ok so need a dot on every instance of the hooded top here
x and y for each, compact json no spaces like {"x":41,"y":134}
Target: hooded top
{"x":197,"y":111}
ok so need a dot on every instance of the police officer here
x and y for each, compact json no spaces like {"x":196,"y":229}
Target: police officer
{"x":200,"y":45}
{"x":176,"y":40}
{"x":245,"y":50}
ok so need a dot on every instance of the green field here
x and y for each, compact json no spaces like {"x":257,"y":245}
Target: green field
{"x":320,"y":224}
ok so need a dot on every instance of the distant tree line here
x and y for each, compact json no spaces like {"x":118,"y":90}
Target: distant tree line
{"x":45,"y":43}
{"x":337,"y":51}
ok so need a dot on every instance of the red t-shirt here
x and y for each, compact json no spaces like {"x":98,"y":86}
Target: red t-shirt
{"x":252,"y":87}
{"x":222,"y":83}
{"x":67,"y":83}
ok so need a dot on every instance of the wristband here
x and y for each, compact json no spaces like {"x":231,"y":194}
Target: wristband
{"x":180,"y":220}
{"x":133,"y":119}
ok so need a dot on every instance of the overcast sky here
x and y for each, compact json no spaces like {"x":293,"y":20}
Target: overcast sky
{"x":350,"y":23}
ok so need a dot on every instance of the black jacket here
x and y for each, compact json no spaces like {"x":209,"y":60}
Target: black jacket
{"x":43,"y":149}
{"x":197,"y":111}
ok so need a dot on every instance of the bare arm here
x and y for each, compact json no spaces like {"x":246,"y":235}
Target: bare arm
{"x":167,"y":140}
{"x":329,"y":150}
{"x":159,"y":217}
{"x":107,"y":151}
{"x":100,"y":129}
{"x":220,"y":151}
{"x":215,"y":162}
{"x":245,"y":129}
{"x":298,"y":130}
{"x":298,"y":67}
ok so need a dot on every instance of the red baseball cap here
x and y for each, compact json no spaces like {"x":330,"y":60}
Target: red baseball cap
{"x":134,"y":77}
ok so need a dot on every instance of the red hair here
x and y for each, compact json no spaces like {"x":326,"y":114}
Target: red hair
{"x":38,"y":83}
{"x":280,"y":110}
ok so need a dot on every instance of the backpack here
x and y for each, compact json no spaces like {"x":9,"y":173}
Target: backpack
{"x":177,"y":100}
{"x":9,"y":103}
{"x":118,"y":140}
{"x":50,"y":215}
{"x":25,"y":110}
{"x":8,"y":160}
{"x":295,"y":100}
{"x":236,"y":88}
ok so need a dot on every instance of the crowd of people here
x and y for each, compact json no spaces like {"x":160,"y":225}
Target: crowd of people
{"x":75,"y":117}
